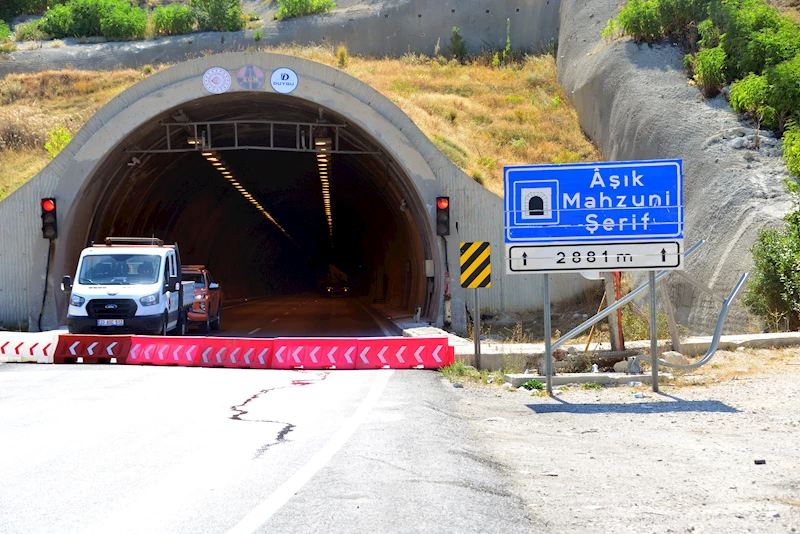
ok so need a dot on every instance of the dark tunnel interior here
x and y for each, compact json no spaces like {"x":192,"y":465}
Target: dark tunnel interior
{"x":374,"y":236}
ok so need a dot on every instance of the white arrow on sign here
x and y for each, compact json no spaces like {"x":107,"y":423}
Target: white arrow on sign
{"x":278,"y":355}
{"x":313,"y":354}
{"x":147,"y":352}
{"x":295,"y":353}
{"x":176,"y":351}
{"x":436,"y":354}
{"x":90,"y":350}
{"x":247,"y":355}
{"x":189,"y":353}
{"x":417,"y":356}
{"x":348,"y":353}
{"x":220,"y":353}
{"x":161,"y":352}
{"x":261,"y":356}
{"x":233,"y":354}
{"x":205,"y":354}
{"x":363,"y":355}
{"x":134,"y":348}
{"x":381,"y":353}
{"x":399,"y":354}
{"x":330,"y":355}
{"x":108,"y":348}
{"x":72,"y":347}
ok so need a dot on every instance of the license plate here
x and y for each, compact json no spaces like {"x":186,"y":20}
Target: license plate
{"x":110,"y":322}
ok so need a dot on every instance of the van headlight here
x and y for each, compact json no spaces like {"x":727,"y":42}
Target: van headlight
{"x":76,"y":300}
{"x":150,"y":300}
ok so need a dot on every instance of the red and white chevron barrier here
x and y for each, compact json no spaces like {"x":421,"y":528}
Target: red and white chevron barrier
{"x":243,"y":353}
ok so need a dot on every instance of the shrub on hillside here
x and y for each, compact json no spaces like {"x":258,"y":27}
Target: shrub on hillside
{"x":791,"y":148}
{"x":773,"y":291}
{"x":86,"y":16}
{"x":751,"y":95}
{"x":123,"y":23}
{"x":709,"y":70}
{"x":641,"y":20}
{"x":175,"y":19}
{"x":784,"y":91}
{"x":298,"y":8}
{"x":5,"y":31}
{"x":30,"y":31}
{"x":218,"y":15}
{"x":57,"y":21}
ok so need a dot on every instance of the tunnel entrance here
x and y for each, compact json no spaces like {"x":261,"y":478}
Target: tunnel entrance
{"x":271,"y":193}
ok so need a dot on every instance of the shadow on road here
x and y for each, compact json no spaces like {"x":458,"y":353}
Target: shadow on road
{"x":651,"y":406}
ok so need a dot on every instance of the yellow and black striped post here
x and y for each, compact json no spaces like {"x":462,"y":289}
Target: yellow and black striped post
{"x":476,"y":265}
{"x":476,"y":273}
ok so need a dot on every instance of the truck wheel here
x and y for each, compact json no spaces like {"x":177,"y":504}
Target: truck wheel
{"x":164,"y":325}
{"x":218,"y":320}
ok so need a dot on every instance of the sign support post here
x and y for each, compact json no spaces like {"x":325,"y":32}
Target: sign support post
{"x":476,"y":329}
{"x":653,"y":331}
{"x":548,"y":353}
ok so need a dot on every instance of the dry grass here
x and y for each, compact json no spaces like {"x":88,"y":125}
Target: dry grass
{"x":481,"y":117}
{"x":31,"y":105}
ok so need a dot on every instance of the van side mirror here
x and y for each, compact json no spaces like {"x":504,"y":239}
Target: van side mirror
{"x":213,"y":285}
{"x":66,"y":284}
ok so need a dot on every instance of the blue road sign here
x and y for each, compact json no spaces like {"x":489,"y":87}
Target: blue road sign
{"x":588,"y":202}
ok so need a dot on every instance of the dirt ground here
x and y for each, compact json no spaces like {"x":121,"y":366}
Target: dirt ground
{"x":687,"y":459}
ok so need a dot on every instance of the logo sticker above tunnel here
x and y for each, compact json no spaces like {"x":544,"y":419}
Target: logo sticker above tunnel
{"x":216,"y":80}
{"x":250,"y":77}
{"x":284,"y":80}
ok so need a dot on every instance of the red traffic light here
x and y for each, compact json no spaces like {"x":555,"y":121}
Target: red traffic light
{"x":48,"y":204}
{"x":442,"y":203}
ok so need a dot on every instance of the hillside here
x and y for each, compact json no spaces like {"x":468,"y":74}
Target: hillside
{"x":481,"y":117}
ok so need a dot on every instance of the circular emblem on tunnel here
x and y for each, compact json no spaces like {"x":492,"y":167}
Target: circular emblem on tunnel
{"x":250,"y":77}
{"x":216,"y":80}
{"x":284,"y":80}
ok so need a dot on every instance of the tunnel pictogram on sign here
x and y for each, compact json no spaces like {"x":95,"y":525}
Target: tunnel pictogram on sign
{"x":476,"y":266}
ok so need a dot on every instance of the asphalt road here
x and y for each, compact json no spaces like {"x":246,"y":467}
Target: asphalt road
{"x":300,"y":315}
{"x":101,"y":449}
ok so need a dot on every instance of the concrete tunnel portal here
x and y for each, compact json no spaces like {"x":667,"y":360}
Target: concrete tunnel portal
{"x":180,"y":196}
{"x":157,"y":181}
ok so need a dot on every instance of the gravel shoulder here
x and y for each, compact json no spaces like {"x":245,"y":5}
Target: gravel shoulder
{"x":682,"y":460}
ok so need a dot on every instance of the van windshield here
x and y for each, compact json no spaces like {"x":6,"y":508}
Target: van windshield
{"x":120,"y":269}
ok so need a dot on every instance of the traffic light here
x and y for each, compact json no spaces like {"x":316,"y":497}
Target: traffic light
{"x":442,"y":215}
{"x":49,"y":226}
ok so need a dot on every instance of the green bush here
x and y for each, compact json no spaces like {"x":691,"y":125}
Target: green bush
{"x":5,"y":31}
{"x":791,"y":148}
{"x":641,"y":20}
{"x":123,"y":23}
{"x":59,"y":138}
{"x":751,"y":95}
{"x":218,"y":15}
{"x":458,"y":46}
{"x":30,"y":31}
{"x":175,"y":19}
{"x":709,"y":70}
{"x":57,"y":22}
{"x":773,"y":291}
{"x":297,"y":8}
{"x":86,"y":16}
{"x":784,"y":91}
{"x":738,"y":22}
{"x":709,"y":34}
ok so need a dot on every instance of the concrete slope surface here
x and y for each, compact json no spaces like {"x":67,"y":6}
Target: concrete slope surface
{"x":635,"y":102}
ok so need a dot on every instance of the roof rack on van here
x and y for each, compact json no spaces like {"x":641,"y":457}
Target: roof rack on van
{"x":133,"y":241}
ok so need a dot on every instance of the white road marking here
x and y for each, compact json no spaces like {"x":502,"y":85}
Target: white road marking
{"x":267,"y":508}
{"x":251,"y":332}
{"x":286,"y":313}
{"x":275,"y":320}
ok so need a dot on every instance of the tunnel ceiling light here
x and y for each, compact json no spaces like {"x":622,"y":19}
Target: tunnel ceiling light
{"x":207,"y":154}
{"x":212,"y":159}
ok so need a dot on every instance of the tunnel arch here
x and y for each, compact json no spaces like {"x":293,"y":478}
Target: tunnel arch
{"x":105,"y":191}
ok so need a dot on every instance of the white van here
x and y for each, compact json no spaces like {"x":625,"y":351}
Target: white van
{"x":128,"y":285}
